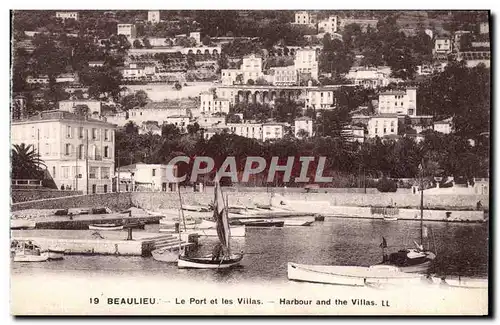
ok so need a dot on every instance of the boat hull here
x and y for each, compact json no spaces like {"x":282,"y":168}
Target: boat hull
{"x":31,"y":258}
{"x":54,"y":254}
{"x":166,"y":255}
{"x":105,"y":228}
{"x":208,"y":263}
{"x":349,"y":275}
{"x":262,"y":223}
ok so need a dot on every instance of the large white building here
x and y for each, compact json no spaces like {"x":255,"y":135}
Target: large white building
{"x":305,"y":18}
{"x":77,"y":151}
{"x":383,"y":125}
{"x":444,"y":126}
{"x":303,"y":123}
{"x":320,"y":98}
{"x":442,"y":45}
{"x":228,"y":76}
{"x":251,"y":68}
{"x":398,"y":102}
{"x":247,"y":130}
{"x":154,"y":16}
{"x":70,"y":105}
{"x":147,"y":177}
{"x":210,"y":104}
{"x":273,"y":131}
{"x":329,"y":25}
{"x":128,"y":30}
{"x":369,"y":77}
{"x":284,"y":76}
{"x":306,"y":62}
{"x":67,"y":15}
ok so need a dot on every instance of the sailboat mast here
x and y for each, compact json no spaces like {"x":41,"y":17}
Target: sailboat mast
{"x":228,"y":227}
{"x":422,"y":204}
{"x":182,"y":211}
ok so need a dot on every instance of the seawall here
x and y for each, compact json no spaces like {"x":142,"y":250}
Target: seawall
{"x":23,"y":195}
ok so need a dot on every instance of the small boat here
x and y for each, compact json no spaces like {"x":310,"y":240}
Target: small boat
{"x":54,"y":253}
{"x":297,"y":222}
{"x":22,"y":224}
{"x":210,"y":232}
{"x":350,"y":275}
{"x":169,"y":254}
{"x":388,"y":218}
{"x":27,"y":251}
{"x":105,"y":226}
{"x":262,"y":223}
{"x":412,"y":260}
{"x":221,"y":258}
{"x":208,"y":262}
{"x":195,"y":208}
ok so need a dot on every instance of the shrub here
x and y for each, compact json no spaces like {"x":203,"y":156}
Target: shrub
{"x":386,"y":185}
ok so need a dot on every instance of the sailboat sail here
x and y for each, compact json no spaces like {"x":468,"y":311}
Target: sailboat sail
{"x":222,"y":223}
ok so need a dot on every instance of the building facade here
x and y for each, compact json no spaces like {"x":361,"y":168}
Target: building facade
{"x":228,"y":76}
{"x":442,"y":45}
{"x":147,"y":177}
{"x":251,"y":68}
{"x":383,"y":125}
{"x":210,"y":104}
{"x":128,"y":30}
{"x":306,"y":62}
{"x":444,"y":126}
{"x":77,"y":151}
{"x":303,"y":123}
{"x":67,"y":15}
{"x":305,"y":18}
{"x":329,"y":25}
{"x":284,"y":76}
{"x":320,"y":98}
{"x":398,"y":102}
{"x":247,"y":130}
{"x":154,"y":16}
{"x":369,"y":77}
{"x":273,"y":131}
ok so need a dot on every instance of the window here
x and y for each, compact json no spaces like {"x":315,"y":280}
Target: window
{"x":106,"y":152}
{"x":80,"y":151}
{"x":53,"y":171}
{"x":80,"y":132}
{"x":154,"y":172}
{"x":68,"y":131}
{"x":105,"y":172}
{"x":65,"y":171}
{"x":94,"y":133}
{"x":47,"y":149}
{"x":385,"y":130}
{"x":376,"y":130}
{"x":106,"y":136}
{"x":105,"y":188}
{"x":93,"y":172}
{"x":67,"y":149}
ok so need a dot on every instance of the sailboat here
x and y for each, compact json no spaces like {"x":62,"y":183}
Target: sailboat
{"x":226,"y":259}
{"x":412,"y":260}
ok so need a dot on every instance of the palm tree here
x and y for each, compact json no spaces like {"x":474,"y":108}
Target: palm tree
{"x":26,"y":163}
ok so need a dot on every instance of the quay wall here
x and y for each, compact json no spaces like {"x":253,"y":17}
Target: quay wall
{"x":23,"y":195}
{"x":162,"y":200}
{"x":114,"y":201}
{"x":97,"y":246}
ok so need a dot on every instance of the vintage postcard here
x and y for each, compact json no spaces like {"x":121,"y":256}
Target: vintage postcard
{"x":250,"y":162}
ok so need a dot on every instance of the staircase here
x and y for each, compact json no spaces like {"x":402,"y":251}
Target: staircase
{"x":169,"y":241}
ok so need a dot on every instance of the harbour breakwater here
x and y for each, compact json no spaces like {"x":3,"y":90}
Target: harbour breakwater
{"x":458,"y":207}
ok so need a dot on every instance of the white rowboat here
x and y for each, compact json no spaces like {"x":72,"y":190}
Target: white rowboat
{"x":105,"y":226}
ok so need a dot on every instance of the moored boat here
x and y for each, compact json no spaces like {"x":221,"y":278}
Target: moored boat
{"x":221,"y":254}
{"x":350,"y":275}
{"x":298,"y":222}
{"x":105,"y":226}
{"x":262,"y":223}
{"x":389,"y":218}
{"x":209,"y":262}
{"x":54,"y":253}
{"x":29,"y":252}
{"x":169,"y":254}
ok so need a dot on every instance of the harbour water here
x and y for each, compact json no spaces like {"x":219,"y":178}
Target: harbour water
{"x":461,"y":250}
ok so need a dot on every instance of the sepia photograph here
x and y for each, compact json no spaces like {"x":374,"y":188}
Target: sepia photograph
{"x":250,"y":162}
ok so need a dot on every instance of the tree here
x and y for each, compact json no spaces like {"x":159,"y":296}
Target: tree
{"x":131,"y":128}
{"x":169,"y":131}
{"x":178,"y":86}
{"x":206,"y":40}
{"x":138,"y":44}
{"x":82,"y":110}
{"x":26,"y":162}
{"x":193,"y":128}
{"x":250,"y":82}
{"x":261,"y":81}
{"x":239,"y":79}
{"x":147,"y":43}
{"x":302,"y":133}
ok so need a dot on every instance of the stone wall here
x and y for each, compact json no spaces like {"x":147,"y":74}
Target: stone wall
{"x":23,"y":195}
{"x":157,"y":200}
{"x":114,"y":201}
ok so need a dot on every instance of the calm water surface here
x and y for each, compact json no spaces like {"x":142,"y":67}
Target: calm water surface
{"x":462,"y":249}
